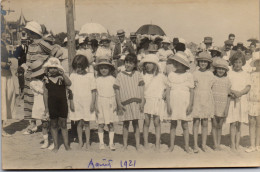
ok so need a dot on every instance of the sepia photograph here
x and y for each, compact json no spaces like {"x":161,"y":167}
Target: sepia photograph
{"x":130,"y":84}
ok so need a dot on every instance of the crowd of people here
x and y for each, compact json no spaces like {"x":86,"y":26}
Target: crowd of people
{"x":137,"y":79}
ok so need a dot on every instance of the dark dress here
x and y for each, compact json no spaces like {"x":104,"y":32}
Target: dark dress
{"x":57,"y":100}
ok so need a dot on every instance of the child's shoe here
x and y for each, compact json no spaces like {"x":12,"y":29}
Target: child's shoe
{"x":102,"y":146}
{"x":251,"y":149}
{"x":258,"y":148}
{"x":30,"y":131}
{"x":46,"y":142}
{"x":51,"y":147}
{"x":112,"y":147}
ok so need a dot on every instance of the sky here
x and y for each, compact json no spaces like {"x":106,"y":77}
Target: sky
{"x":188,"y":19}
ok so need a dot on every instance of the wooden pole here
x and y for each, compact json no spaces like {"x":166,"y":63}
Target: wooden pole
{"x":70,"y":32}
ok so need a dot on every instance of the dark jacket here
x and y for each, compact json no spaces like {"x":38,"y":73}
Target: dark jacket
{"x":127,"y":47}
{"x":20,"y":54}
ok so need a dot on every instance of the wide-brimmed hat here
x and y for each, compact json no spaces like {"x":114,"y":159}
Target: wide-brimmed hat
{"x":34,"y":27}
{"x":207,"y":39}
{"x":49,"y":38}
{"x":252,"y":63}
{"x":120,"y":32}
{"x":228,"y":42}
{"x":166,"y":40}
{"x":104,"y":61}
{"x":239,"y":45}
{"x":150,"y":58}
{"x":180,"y":57}
{"x":221,"y":63}
{"x":37,"y":68}
{"x":53,"y":62}
{"x":215,"y":48}
{"x":104,"y":39}
{"x":204,"y":56}
{"x":133,"y":35}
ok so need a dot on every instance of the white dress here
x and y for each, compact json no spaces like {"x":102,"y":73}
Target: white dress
{"x":106,"y":100}
{"x":153,"y":93}
{"x":81,"y":87}
{"x":180,"y":85}
{"x":38,"y":105}
{"x":163,"y":56}
{"x":254,"y":94}
{"x":238,"y":108}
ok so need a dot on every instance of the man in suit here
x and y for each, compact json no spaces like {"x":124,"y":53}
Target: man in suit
{"x":122,"y":48}
{"x":133,"y":37}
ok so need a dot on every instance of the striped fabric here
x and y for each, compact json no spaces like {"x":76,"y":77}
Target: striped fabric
{"x":130,"y":94}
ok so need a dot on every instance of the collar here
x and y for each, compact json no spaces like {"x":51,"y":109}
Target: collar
{"x":131,"y":74}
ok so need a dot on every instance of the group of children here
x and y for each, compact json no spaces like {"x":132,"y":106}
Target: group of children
{"x":142,"y":91}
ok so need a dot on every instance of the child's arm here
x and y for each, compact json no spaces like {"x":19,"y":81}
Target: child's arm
{"x":93,"y":101}
{"x":189,"y":109}
{"x":142,"y":98}
{"x":242,"y":92}
{"x":169,"y":109}
{"x":45,"y":99}
{"x":67,"y":81}
{"x":118,"y":101}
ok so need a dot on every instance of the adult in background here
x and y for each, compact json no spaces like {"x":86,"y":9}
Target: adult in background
{"x":208,"y":41}
{"x":38,"y":49}
{"x":105,"y":49}
{"x":226,"y":50}
{"x":231,"y":37}
{"x":133,"y":37}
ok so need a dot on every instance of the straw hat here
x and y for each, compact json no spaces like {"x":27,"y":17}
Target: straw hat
{"x":204,"y":56}
{"x":215,"y":48}
{"x":120,"y":32}
{"x":180,"y":57}
{"x":133,"y":35}
{"x":37,"y":68}
{"x":207,"y":40}
{"x":151,"y":58}
{"x":252,"y":63}
{"x":53,"y":62}
{"x":104,"y":38}
{"x":34,"y":27}
{"x":104,"y":61}
{"x":166,"y":40}
{"x":221,"y":63}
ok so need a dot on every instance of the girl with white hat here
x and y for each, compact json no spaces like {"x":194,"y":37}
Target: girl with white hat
{"x":154,"y":88}
{"x":55,"y":100}
{"x":164,"y":53}
{"x":179,"y":98}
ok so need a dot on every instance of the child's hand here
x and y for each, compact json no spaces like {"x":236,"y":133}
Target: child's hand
{"x":169,"y":110}
{"x":164,"y":95}
{"x":96,"y":109}
{"x":72,"y":108}
{"x":92,"y":107}
{"x":141,"y":107}
{"x":121,"y":108}
{"x":189,"y":110}
{"x":236,"y":94}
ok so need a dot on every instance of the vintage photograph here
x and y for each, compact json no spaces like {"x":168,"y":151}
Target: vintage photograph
{"x":130,"y":84}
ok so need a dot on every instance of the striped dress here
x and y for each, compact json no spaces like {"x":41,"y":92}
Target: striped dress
{"x":130,"y":94}
{"x":39,"y":49}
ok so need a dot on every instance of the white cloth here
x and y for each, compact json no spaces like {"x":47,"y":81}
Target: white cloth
{"x":238,"y":108}
{"x":153,"y":93}
{"x":103,"y":52}
{"x":247,"y":67}
{"x":254,"y":94}
{"x":81,"y":87}
{"x":106,"y":100}
{"x":38,"y":103}
{"x":180,"y":85}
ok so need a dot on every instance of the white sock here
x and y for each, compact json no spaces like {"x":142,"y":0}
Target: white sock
{"x":111,"y":138}
{"x":101,"y":137}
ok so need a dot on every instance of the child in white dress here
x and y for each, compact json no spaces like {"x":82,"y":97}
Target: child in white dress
{"x":238,"y":109}
{"x":84,"y":93}
{"x":154,"y":88}
{"x":38,"y":109}
{"x":179,"y":96}
{"x":203,"y":107}
{"x":254,"y":107}
{"x":105,"y":101}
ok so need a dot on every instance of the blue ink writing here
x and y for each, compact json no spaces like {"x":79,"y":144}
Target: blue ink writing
{"x":104,"y":164}
{"x":128,"y":164}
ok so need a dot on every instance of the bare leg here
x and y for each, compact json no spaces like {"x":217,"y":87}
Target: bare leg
{"x":87,"y":133}
{"x":257,"y":131}
{"x":196,"y":123}
{"x":219,"y":131}
{"x":233,"y":135}
{"x":64,"y":132}
{"x":252,"y":130}
{"x":125,"y":133}
{"x":214,"y":132}
{"x":80,"y":130}
{"x":157,"y":125}
{"x":146,"y":129}
{"x":172,"y":134}
{"x":186,"y":134}
{"x":238,"y":134}
{"x":137,"y":134}
{"x":204,"y":123}
{"x":111,"y":136}
{"x":54,"y":133}
{"x":45,"y":127}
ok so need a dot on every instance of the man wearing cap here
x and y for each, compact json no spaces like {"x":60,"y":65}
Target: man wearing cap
{"x":226,"y":50}
{"x":133,"y":40}
{"x":122,"y":47}
{"x":208,"y":42}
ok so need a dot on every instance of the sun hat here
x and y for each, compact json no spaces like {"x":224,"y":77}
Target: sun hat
{"x":204,"y":56}
{"x":215,"y":48}
{"x":104,"y":38}
{"x":133,"y":35}
{"x":104,"y":61}
{"x":207,"y":39}
{"x":180,"y":57}
{"x":37,"y":68}
{"x":166,"y":40}
{"x":221,"y":63}
{"x":34,"y":27}
{"x":53,"y":62}
{"x":151,"y":58}
{"x":120,"y":32}
{"x":228,"y":42}
{"x":252,"y":63}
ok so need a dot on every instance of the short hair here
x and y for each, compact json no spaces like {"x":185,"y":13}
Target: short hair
{"x":231,"y":35}
{"x":180,"y":47}
{"x":215,"y":72}
{"x":209,"y":64}
{"x":155,"y":69}
{"x":237,"y":55}
{"x":131,"y":58}
{"x":111,"y":70}
{"x":80,"y":59}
